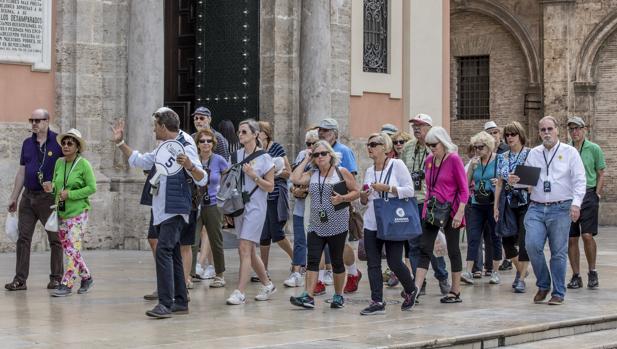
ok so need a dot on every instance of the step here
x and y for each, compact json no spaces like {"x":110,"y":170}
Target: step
{"x":593,"y":340}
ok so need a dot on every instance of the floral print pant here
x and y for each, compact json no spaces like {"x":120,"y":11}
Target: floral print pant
{"x":71,"y":232}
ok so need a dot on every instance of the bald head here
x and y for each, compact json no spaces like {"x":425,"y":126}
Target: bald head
{"x":39,"y":119}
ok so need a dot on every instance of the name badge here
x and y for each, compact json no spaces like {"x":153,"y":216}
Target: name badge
{"x":547,"y":186}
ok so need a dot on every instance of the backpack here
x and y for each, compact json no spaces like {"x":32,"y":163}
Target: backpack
{"x":231,"y":198}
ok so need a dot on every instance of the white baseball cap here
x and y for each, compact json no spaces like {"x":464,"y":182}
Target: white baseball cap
{"x":423,"y":119}
{"x":489,"y":125}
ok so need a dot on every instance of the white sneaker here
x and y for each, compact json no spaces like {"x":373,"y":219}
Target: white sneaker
{"x":467,"y":277}
{"x":294,"y":280}
{"x":327,"y":278}
{"x":236,"y":298}
{"x":198,"y":269}
{"x":266,"y":292}
{"x":495,"y":279}
{"x":208,"y":273}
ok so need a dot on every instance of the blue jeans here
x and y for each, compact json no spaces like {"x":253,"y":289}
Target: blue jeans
{"x":481,"y":219}
{"x":438,"y":263}
{"x":170,"y":282}
{"x":553,"y":223}
{"x":299,"y":254}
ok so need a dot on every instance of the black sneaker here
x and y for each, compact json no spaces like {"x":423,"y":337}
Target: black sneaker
{"x":423,"y":289}
{"x":575,"y":282}
{"x":16,"y":285}
{"x":337,"y":301}
{"x":62,"y":291}
{"x":505,"y":265}
{"x":159,"y":311}
{"x":53,"y":284}
{"x":179,"y":309}
{"x":375,"y":308}
{"x":85,"y":286}
{"x":409,"y":300}
{"x":304,"y":301}
{"x":592,"y":281}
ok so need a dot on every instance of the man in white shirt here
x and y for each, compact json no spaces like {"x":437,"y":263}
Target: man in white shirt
{"x":555,"y":203}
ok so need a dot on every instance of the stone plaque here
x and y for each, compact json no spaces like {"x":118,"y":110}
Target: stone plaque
{"x":25,"y":33}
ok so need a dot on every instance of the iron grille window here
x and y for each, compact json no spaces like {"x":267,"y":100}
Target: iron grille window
{"x":375,"y":36}
{"x":473,"y":87}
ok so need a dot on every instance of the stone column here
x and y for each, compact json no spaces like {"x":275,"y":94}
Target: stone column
{"x":557,"y":17}
{"x":315,"y":50}
{"x":146,"y":68}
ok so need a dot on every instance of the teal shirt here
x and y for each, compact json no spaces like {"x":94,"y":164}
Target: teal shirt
{"x":593,"y":160}
{"x":490,"y":171}
{"x":80,"y":184}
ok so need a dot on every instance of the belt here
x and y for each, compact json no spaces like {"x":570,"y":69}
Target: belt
{"x":550,"y":203}
{"x":593,"y":189}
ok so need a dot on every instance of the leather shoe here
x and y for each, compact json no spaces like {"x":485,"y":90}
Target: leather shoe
{"x":555,"y":300}
{"x":540,"y":296}
{"x":16,"y":285}
{"x":53,"y":284}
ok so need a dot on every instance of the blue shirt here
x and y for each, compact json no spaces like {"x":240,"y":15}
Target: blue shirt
{"x":215,"y":166}
{"x":42,"y":159}
{"x":348,"y":159}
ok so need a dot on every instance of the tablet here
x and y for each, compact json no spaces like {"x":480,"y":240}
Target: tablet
{"x":528,"y":175}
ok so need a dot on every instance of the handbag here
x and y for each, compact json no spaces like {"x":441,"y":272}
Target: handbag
{"x":397,"y":219}
{"x":52,"y":222}
{"x":437,"y":213}
{"x":356,"y":225}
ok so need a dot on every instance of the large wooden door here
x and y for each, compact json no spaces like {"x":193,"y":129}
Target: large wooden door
{"x":227,"y":58}
{"x":180,"y":59}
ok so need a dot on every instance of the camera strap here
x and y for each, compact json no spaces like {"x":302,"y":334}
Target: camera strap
{"x":66,"y":176}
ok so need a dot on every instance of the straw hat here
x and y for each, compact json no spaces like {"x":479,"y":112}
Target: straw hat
{"x":73,"y":133}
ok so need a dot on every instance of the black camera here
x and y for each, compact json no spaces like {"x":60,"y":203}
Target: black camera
{"x":520,"y":197}
{"x":417,"y":177}
{"x":61,"y":206}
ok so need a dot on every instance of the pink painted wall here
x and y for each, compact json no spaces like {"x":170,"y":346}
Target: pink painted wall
{"x":371,"y":110}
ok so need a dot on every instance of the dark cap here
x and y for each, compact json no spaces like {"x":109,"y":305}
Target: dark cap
{"x":202,"y":111}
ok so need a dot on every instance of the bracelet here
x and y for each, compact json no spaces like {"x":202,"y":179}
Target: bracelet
{"x":120,"y":144}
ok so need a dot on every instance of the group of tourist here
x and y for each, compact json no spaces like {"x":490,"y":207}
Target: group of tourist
{"x":486,"y":193}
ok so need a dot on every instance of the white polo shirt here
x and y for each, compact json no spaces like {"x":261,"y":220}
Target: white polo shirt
{"x":565,"y":172}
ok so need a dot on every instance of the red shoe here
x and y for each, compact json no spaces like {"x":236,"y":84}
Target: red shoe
{"x":320,"y":289}
{"x":352,"y":283}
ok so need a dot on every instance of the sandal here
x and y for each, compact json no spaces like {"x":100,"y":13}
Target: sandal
{"x":477,"y":275}
{"x":452,"y":298}
{"x":16,"y":285}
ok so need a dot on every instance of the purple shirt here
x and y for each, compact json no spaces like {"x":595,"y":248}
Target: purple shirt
{"x":214,"y":166}
{"x":451,"y":184}
{"x":41,"y":159}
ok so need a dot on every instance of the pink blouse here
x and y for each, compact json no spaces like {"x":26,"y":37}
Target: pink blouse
{"x":451,"y":183}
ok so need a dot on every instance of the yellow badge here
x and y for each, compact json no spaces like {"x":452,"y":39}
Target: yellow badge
{"x":560,"y":157}
{"x":49,"y":153}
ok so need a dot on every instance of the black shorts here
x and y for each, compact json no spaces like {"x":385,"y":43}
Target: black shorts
{"x":187,"y":235}
{"x":272,"y":231}
{"x":152,"y":233}
{"x":588,"y":221}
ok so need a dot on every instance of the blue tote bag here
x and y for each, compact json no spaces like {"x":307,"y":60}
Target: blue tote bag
{"x":397,"y":219}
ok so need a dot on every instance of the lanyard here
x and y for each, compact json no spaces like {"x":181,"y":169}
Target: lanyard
{"x":320,"y":186}
{"x":44,"y":155}
{"x":383,"y":169}
{"x":548,"y":163}
{"x":483,"y":168}
{"x":415,"y":156}
{"x":434,"y":178}
{"x":208,"y":167}
{"x":66,"y":176}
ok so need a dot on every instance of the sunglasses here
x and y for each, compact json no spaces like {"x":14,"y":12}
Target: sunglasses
{"x":243,"y":132}
{"x":321,"y":153}
{"x":510,"y":135}
{"x":431,"y":145}
{"x":200,"y":117}
{"x":36,"y":121}
{"x":373,"y":144}
{"x":209,"y":141}
{"x":309,"y":144}
{"x":547,"y":129}
{"x":67,"y":142}
{"x":478,"y":147}
{"x":399,"y":142}
{"x":572,"y":129}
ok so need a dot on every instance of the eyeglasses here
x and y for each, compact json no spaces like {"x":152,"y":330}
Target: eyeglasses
{"x":373,"y":144}
{"x":431,"y":145}
{"x":243,"y":132}
{"x":321,"y":153}
{"x":309,"y":144}
{"x":479,"y":147}
{"x":67,"y":142}
{"x":399,"y":142}
{"x":494,"y":132}
{"x":572,"y":129}
{"x":36,"y":121}
{"x":547,"y":129}
{"x":510,"y":134}
{"x":209,"y":141}
{"x":199,"y":117}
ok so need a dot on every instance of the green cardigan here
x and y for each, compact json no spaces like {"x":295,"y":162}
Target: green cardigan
{"x":80,"y":183}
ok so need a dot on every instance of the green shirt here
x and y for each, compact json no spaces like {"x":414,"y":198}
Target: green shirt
{"x":80,"y":183}
{"x":593,"y":159}
{"x":413,"y":155}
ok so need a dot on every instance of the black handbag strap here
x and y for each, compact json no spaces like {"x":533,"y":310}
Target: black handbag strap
{"x":384,"y":195}
{"x":234,"y":157}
